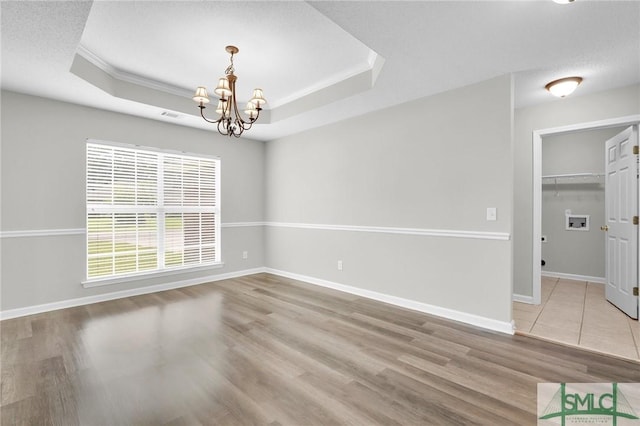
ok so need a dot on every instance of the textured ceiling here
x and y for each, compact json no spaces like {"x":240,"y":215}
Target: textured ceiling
{"x":318,"y":62}
{"x":193,"y":52}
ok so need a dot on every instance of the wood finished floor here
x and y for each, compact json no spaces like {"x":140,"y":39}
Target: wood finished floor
{"x":266,"y":350}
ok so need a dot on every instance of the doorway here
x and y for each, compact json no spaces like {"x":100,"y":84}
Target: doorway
{"x":537,"y":186}
{"x":591,"y":284}
{"x":573,"y":205}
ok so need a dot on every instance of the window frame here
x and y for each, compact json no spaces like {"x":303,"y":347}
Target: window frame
{"x":160,"y":209}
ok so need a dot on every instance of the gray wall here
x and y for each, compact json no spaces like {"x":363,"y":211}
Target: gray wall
{"x":435,"y":163}
{"x":573,"y":110}
{"x":574,"y":252}
{"x":43,"y":188}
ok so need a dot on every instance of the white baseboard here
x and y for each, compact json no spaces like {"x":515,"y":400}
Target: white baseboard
{"x":523,"y":299}
{"x":600,"y":280}
{"x":487,"y":323}
{"x":46,"y":307}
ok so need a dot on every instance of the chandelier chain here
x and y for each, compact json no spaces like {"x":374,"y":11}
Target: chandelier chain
{"x":230,"y":69}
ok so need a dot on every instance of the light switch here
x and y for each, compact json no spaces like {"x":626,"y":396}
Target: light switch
{"x":492,"y":213}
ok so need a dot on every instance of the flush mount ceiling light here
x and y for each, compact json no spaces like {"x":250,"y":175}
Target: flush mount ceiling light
{"x":563,"y":1}
{"x":563,"y":86}
{"x":230,"y":123}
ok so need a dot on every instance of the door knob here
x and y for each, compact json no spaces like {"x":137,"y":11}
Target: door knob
{"x":604,"y":228}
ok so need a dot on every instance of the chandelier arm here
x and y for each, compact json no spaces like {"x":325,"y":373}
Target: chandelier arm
{"x":246,"y":125}
{"x":222,"y":130}
{"x":237,"y":114}
{"x":254,"y":119}
{"x":234,"y":105}
{"x":202,"y":107}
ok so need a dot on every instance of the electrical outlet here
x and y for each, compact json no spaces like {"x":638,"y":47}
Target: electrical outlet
{"x":245,"y":254}
{"x":492,"y":213}
{"x":339,"y":265}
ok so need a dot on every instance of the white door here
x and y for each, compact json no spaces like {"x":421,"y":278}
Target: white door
{"x":621,"y":198}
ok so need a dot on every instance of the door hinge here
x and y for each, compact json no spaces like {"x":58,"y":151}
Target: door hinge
{"x":635,"y":220}
{"x":635,"y":291}
{"x":636,"y":150}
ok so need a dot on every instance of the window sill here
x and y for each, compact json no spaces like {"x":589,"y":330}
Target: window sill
{"x":98,"y":282}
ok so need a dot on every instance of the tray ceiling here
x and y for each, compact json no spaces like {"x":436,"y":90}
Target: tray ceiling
{"x":318,"y":62}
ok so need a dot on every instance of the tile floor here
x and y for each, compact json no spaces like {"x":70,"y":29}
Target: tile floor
{"x":577,"y":313}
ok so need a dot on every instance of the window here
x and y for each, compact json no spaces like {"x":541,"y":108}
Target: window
{"x":149,"y":210}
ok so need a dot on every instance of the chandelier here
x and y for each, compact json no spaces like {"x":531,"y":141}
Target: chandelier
{"x":229,"y":122}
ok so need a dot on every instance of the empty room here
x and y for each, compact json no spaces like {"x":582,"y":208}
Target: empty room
{"x":248,"y":212}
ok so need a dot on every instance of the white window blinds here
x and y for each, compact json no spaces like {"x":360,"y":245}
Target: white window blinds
{"x":149,"y":210}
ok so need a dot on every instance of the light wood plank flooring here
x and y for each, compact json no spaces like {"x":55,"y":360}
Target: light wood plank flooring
{"x":264,"y":350}
{"x":577,"y":313}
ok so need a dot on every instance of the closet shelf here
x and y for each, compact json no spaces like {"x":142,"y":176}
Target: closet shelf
{"x":580,"y":178}
{"x":573,"y":175}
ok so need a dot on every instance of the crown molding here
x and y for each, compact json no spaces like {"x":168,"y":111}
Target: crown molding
{"x":339,"y":86}
{"x":130,"y":77}
{"x":372,"y":60}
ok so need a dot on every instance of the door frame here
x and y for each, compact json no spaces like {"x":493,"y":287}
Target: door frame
{"x":629,"y":120}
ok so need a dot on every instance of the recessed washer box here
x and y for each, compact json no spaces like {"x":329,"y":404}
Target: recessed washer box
{"x":577,"y":222}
